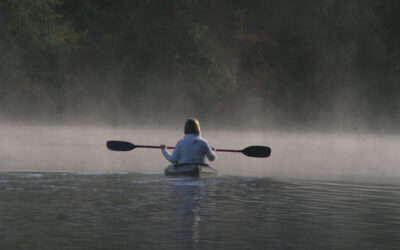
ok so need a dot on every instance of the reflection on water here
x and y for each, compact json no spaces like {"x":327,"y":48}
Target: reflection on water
{"x":136,"y":211}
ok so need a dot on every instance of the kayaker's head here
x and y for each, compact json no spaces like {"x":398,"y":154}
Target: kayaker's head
{"x":192,"y":126}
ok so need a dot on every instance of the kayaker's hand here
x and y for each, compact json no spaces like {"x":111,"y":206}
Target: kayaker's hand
{"x":213,"y":149}
{"x":163,"y":146}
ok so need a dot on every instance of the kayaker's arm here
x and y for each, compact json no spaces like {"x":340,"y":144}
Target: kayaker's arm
{"x":173,"y":158}
{"x":211,"y":155}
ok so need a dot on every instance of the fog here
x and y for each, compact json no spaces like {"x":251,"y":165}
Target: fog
{"x":322,"y":76}
{"x":337,"y":157}
{"x":292,"y":64}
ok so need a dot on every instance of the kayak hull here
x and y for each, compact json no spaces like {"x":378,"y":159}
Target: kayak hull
{"x":183,"y":170}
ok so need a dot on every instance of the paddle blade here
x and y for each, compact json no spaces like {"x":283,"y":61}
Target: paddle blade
{"x":257,"y":151}
{"x":120,"y":145}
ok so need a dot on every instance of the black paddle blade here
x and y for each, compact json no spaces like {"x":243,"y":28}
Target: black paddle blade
{"x":120,"y":145}
{"x":257,"y":151}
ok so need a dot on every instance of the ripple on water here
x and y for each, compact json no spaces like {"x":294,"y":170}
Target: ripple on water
{"x":28,"y":175}
{"x":100,"y":173}
{"x":126,"y":211}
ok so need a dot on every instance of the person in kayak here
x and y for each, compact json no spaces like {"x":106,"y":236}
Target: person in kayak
{"x":191,"y":148}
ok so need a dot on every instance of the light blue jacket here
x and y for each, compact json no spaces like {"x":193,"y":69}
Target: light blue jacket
{"x":190,"y":149}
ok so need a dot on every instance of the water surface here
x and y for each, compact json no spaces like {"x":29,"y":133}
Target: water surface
{"x":87,"y":210}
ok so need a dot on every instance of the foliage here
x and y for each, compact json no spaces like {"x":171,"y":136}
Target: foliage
{"x":226,"y":59}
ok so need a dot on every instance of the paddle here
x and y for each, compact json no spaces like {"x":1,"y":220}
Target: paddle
{"x":252,"y":151}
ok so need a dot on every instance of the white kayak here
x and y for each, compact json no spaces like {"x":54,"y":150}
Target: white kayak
{"x":187,"y":169}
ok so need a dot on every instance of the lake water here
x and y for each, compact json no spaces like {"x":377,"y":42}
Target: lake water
{"x":60,"y":188}
{"x":151,"y":211}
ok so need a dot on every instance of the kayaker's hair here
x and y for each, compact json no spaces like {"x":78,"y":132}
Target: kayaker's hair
{"x":192,"y":126}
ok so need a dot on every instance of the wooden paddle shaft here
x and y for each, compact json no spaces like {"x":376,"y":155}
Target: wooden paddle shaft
{"x":229,"y":150}
{"x":147,"y":146}
{"x":170,"y":147}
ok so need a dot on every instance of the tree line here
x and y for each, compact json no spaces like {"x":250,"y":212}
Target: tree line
{"x":282,"y":62}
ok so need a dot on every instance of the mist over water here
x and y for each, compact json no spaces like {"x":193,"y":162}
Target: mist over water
{"x":337,"y":157}
{"x":317,"y":81}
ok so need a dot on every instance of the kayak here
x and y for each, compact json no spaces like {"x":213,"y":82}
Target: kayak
{"x":184,"y":169}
